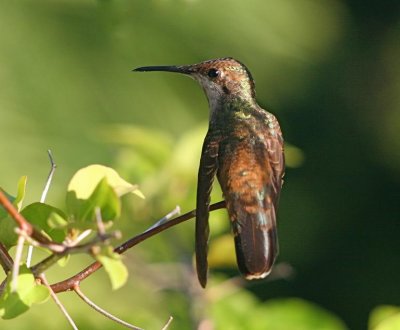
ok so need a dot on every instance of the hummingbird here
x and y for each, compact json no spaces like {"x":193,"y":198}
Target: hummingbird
{"x":243,"y":147}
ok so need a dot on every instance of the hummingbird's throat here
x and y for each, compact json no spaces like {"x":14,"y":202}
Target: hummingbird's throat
{"x":223,"y":92}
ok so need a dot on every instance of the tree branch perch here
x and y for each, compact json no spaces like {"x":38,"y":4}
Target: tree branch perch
{"x":71,"y":282}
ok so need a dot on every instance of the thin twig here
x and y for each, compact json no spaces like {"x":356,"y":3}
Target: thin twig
{"x":80,"y":238}
{"x":184,"y":217}
{"x":53,"y":258}
{"x":43,"y":199}
{"x":69,"y":283}
{"x":3,"y":286}
{"x":5,"y":259}
{"x":174,"y":212}
{"x":49,"y":177}
{"x":165,"y":327}
{"x":18,"y":256}
{"x":99,"y":221}
{"x":54,"y":247}
{"x":46,"y":263}
{"x":102,"y":311}
{"x":58,"y":302}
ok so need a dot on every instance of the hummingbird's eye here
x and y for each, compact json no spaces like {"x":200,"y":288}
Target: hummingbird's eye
{"x":213,"y":73}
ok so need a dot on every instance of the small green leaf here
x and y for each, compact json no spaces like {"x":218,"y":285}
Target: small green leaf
{"x":20,"y":192}
{"x":384,"y":318}
{"x":114,"y":267}
{"x":28,"y":293}
{"x":104,"y":196}
{"x":8,"y":235}
{"x":87,"y":179}
{"x":3,"y":212}
{"x":11,"y":305}
{"x":83,"y":210}
{"x":96,"y":186}
{"x":39,"y":215}
{"x":7,"y":225}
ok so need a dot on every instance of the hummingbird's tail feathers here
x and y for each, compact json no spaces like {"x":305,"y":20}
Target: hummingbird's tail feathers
{"x":207,"y":170}
{"x":256,"y":243}
{"x":201,"y":246}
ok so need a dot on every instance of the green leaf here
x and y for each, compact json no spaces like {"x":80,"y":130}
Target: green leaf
{"x":17,"y":201}
{"x":28,"y":293}
{"x":83,"y":210}
{"x":84,"y":182}
{"x":96,"y":186}
{"x":7,"y":225}
{"x":112,"y":263}
{"x":3,"y":212}
{"x":7,"y":231}
{"x":384,"y":318}
{"x":20,"y":192}
{"x":41,"y":216}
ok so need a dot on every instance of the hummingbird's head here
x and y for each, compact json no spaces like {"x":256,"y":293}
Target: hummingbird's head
{"x":220,"y":78}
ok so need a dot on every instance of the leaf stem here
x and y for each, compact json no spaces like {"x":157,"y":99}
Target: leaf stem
{"x":15,"y":269}
{"x":49,"y":177}
{"x":42,"y":199}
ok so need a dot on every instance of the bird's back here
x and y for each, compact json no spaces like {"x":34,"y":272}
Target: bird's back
{"x":250,"y":174}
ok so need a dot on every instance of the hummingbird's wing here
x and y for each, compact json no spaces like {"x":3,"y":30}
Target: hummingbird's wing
{"x":207,"y":170}
{"x":250,"y":173}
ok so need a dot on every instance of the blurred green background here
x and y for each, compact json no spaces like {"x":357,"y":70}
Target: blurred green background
{"x":329,"y":70}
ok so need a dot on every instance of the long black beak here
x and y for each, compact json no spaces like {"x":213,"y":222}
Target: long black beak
{"x":168,"y":68}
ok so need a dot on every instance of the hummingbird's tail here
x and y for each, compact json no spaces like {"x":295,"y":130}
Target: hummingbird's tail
{"x":256,"y":242}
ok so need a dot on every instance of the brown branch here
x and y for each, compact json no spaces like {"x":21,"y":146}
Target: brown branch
{"x":23,"y":224}
{"x":86,"y":247}
{"x":5,"y":259}
{"x":73,"y":281}
{"x":12,"y":211}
